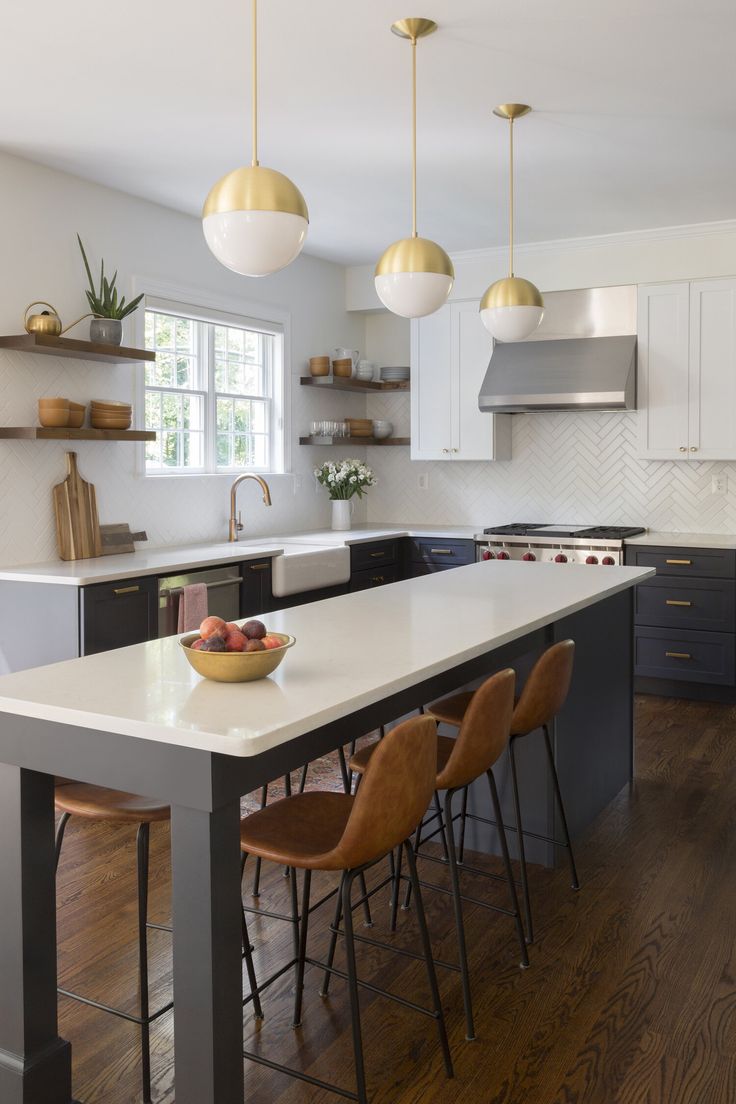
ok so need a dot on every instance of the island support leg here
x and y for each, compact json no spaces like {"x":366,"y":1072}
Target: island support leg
{"x":35,"y":1064}
{"x":208,"y":982}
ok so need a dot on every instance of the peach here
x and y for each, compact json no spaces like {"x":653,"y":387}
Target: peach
{"x":232,"y":627}
{"x":196,"y":644}
{"x":254,"y":630}
{"x":212,"y":626}
{"x":255,"y":646}
{"x":270,"y":642}
{"x":235,"y":641}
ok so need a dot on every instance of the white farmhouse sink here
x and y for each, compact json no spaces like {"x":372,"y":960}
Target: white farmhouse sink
{"x":309,"y":567}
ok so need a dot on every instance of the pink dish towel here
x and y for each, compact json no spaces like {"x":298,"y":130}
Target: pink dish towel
{"x":192,"y":607}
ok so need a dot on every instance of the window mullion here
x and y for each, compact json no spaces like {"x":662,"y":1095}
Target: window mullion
{"x":208,"y":342}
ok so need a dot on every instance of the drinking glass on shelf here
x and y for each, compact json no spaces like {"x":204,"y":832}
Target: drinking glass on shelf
{"x":315,"y":429}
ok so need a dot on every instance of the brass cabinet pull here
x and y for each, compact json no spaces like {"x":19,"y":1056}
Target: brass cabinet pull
{"x":693,"y":448}
{"x":377,"y":555}
{"x":126,"y":590}
{"x":378,"y":579}
{"x":683,"y":563}
{"x":678,"y":655}
{"x":441,"y":552}
{"x":682,"y":448}
{"x":676,"y":602}
{"x":258,"y":567}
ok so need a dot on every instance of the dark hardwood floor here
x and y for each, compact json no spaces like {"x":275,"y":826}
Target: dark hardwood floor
{"x":630,"y":998}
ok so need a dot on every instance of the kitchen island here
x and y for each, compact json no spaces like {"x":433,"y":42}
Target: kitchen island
{"x":140,"y":719}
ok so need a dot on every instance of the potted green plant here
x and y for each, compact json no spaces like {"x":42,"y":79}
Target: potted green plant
{"x":106,"y":328}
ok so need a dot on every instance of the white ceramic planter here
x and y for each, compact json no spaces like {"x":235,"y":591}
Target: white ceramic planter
{"x":342,"y":513}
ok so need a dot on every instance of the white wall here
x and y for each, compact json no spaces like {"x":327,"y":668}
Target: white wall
{"x":40,"y":214}
{"x":565,"y":467}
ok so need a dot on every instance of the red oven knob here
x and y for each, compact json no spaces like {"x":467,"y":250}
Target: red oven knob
{"x":503,"y":556}
{"x":591,"y":559}
{"x":560,"y":558}
{"x":528,"y":556}
{"x":487,"y":554}
{"x":608,"y":561}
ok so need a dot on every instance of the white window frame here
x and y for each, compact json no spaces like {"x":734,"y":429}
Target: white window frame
{"x":220,"y":310}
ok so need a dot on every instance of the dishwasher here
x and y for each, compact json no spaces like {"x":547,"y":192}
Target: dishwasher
{"x":223,"y":595}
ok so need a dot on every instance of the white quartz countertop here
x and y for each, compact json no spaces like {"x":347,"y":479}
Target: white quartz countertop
{"x":686,"y":540}
{"x":127,"y":565}
{"x":350,"y":652}
{"x":158,"y":561}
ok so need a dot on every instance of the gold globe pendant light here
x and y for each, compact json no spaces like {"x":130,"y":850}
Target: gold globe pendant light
{"x":255,"y":220}
{"x":512,"y":308}
{"x":414,"y":275}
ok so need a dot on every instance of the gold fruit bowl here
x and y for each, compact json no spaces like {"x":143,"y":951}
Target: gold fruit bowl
{"x":235,"y":666}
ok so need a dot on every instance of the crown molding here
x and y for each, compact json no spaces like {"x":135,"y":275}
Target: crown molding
{"x":599,"y":241}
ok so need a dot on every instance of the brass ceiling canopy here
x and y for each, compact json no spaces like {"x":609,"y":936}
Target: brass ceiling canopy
{"x":511,"y":111}
{"x":414,"y":28}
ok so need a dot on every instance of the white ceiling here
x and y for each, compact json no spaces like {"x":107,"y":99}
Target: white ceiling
{"x":634,"y":123}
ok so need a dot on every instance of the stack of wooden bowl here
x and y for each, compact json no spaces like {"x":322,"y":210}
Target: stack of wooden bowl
{"x":342,"y":368}
{"x":110,"y":415}
{"x":319,"y":366}
{"x":61,"y":414}
{"x":360,"y":427}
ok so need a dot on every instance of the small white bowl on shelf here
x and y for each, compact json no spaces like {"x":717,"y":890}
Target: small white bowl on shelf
{"x":382,"y":429}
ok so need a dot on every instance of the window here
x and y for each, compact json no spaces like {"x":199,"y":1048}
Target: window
{"x":212,"y":394}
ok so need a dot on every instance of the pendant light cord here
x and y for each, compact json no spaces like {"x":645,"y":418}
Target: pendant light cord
{"x":414,"y":137}
{"x":511,"y":197}
{"x":254,"y":81}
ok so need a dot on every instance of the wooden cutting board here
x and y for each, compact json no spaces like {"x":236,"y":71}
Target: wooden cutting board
{"x":77,"y":523}
{"x":118,"y":538}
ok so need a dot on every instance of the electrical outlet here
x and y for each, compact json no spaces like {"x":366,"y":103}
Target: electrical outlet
{"x":719,"y":484}
{"x":423,"y":481}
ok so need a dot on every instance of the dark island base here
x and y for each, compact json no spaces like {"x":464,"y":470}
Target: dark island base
{"x":594,"y":751}
{"x":592,"y":737}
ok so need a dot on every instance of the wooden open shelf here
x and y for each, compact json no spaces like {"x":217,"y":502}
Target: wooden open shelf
{"x":40,"y":433}
{"x":336,"y":383}
{"x":342,"y":441}
{"x":72,"y":347}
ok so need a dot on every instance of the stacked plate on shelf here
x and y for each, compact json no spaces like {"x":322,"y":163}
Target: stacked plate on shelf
{"x":394,"y":375}
{"x":110,"y":415}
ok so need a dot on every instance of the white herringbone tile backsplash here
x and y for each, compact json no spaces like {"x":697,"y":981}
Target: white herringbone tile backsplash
{"x":566,"y":467}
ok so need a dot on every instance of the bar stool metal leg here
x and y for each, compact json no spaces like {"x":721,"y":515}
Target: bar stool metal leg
{"x":463,"y":821}
{"x":346,"y":893}
{"x":561,"y":807}
{"x":459,"y":921}
{"x":142,"y":847}
{"x":520,"y":841}
{"x":302,"y":950}
{"x":509,"y":871}
{"x":429,"y":961}
{"x":60,"y":837}
{"x":248,"y":952}
{"x":256,"y":891}
{"x":333,"y":940}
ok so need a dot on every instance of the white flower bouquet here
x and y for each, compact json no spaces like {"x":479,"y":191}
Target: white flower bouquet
{"x":345,"y":479}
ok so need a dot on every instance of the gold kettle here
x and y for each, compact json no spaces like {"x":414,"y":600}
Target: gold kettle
{"x":47,"y":322}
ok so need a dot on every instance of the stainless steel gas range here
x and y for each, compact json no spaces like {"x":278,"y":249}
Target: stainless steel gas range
{"x":563,"y":544}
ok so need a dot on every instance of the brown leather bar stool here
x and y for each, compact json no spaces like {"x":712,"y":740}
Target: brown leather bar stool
{"x":542,"y":698}
{"x":330,"y":831}
{"x":483,"y":736}
{"x":115,"y":806}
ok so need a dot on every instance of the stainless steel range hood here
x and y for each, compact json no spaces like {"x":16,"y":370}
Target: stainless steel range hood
{"x":582,"y":357}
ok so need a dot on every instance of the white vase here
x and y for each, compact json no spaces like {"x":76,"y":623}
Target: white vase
{"x":342,"y":513}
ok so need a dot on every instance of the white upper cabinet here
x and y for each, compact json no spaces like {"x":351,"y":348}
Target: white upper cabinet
{"x":687,"y":370}
{"x":712,"y":433}
{"x":450,"y":351}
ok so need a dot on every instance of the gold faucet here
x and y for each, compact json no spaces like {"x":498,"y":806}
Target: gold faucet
{"x":236,"y":525}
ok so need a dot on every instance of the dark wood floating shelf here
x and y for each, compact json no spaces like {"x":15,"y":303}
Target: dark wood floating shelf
{"x":40,"y":433}
{"x":342,"y":441}
{"x":335,"y":383}
{"x":71,"y":347}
